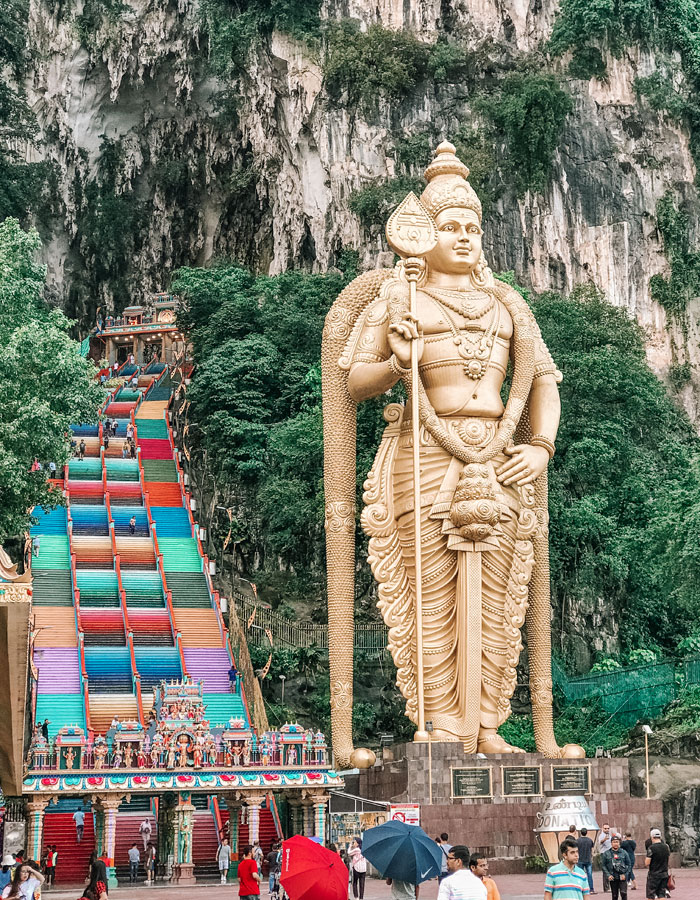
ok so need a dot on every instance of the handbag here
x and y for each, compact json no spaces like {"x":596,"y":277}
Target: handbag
{"x":671,"y":883}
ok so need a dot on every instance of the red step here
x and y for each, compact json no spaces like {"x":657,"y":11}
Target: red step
{"x":73,"y":857}
{"x":163,"y":493}
{"x":128,"y":825}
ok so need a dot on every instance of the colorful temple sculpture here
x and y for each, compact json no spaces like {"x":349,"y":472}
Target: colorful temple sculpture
{"x":134,"y":716}
{"x":146,"y":333}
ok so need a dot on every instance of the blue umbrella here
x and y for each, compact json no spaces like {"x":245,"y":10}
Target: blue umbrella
{"x":404,"y":852}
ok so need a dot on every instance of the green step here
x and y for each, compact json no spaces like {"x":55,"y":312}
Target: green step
{"x":151,"y":428}
{"x":122,"y":470}
{"x":221,"y":707}
{"x":85,"y":469}
{"x":54,"y":552}
{"x":127,"y":395}
{"x":60,"y":710}
{"x":159,"y":470}
{"x":52,"y":587}
{"x":143,"y":589}
{"x":180,"y":554}
{"x":189,"y":590}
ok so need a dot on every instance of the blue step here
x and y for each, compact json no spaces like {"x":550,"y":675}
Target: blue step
{"x":51,"y":521}
{"x":108,"y":669}
{"x":89,"y":519}
{"x":156,"y":664}
{"x":85,"y":430}
{"x":122,"y":516}
{"x":171,"y":521}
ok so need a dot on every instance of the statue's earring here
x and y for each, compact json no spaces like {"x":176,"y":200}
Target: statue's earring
{"x":482,"y":274}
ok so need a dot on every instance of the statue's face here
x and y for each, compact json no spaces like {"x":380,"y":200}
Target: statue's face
{"x":459,"y":242}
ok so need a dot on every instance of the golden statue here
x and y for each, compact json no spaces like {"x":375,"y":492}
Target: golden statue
{"x":444,"y":326}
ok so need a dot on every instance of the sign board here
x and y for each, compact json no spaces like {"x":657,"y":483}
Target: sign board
{"x":346,"y":826}
{"x":405,"y":812}
{"x":472,"y":782}
{"x":571,"y":779}
{"x":521,"y":781}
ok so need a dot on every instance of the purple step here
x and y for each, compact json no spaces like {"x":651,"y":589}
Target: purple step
{"x":210,"y":666}
{"x":59,"y":670}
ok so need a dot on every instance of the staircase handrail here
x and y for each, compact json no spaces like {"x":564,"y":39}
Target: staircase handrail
{"x":216,"y":813}
{"x":84,"y":680}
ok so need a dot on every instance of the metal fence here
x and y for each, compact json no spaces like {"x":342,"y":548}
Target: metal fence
{"x":632,"y":693}
{"x":370,"y":637}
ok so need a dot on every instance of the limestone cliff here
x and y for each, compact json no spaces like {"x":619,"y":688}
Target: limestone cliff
{"x":266,"y":176}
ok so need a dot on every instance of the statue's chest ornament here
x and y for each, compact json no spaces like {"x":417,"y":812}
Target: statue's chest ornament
{"x":474,"y":344}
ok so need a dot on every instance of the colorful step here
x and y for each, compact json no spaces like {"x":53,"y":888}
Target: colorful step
{"x":171,"y":521}
{"x":210,"y":667}
{"x":53,"y":552}
{"x":59,"y":670}
{"x":180,"y":554}
{"x":60,"y":710}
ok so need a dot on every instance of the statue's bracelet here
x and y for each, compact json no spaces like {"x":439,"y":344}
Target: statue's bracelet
{"x":397,"y":368}
{"x":539,"y":440}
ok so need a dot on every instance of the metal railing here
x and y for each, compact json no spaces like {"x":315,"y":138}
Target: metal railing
{"x":370,"y":637}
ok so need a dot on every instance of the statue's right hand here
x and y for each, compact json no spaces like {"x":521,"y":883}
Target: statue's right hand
{"x":401,"y":337}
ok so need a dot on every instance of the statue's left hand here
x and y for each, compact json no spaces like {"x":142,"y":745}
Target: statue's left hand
{"x":525,"y":465}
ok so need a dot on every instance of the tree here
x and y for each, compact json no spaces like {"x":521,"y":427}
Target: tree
{"x":45,"y":385}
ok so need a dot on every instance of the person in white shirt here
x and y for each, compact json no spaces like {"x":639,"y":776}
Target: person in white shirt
{"x":79,"y":819}
{"x":461,"y":883}
{"x":27,"y":881}
{"x":145,"y":830}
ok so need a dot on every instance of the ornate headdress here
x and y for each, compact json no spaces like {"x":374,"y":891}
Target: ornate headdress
{"x":447,"y":183}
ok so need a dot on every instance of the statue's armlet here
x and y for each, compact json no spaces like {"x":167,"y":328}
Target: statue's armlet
{"x":368,"y":341}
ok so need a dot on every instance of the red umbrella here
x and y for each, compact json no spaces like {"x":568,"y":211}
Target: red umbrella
{"x":310,"y":872}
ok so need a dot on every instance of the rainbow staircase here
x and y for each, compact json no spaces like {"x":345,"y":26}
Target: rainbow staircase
{"x":122,"y":594}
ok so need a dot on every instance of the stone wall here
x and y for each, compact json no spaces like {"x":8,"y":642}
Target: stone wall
{"x":501,"y":827}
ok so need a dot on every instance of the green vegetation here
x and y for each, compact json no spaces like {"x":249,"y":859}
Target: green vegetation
{"x":529,"y":112}
{"x":235,"y":28}
{"x":22,"y":185}
{"x":363,"y":66}
{"x":625,"y":482}
{"x":676,"y":292}
{"x":45,"y":384}
{"x":96,"y":25}
{"x":110,"y":225}
{"x":374,"y":204}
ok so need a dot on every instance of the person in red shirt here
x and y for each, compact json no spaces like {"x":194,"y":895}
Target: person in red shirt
{"x":248,"y":877}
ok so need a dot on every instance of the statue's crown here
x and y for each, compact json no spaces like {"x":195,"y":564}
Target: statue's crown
{"x":447,"y":183}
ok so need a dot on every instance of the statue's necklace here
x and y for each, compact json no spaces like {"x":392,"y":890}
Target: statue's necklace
{"x":474,"y":345}
{"x":456,"y":301}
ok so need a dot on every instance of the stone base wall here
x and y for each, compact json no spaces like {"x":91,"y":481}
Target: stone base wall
{"x":501,"y":827}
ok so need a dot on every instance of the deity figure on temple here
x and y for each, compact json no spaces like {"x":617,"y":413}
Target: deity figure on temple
{"x":70,"y":758}
{"x":100,"y":754}
{"x":292,"y":755}
{"x":140,"y":758}
{"x":128,"y":755}
{"x":155,"y":756}
{"x":170,"y":756}
{"x":456,"y":501}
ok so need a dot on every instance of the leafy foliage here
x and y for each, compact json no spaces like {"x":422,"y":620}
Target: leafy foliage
{"x":45,"y":384}
{"x":374,"y":204}
{"x":624,"y":484}
{"x":235,"y":27}
{"x":377,"y":62}
{"x":110,"y":223}
{"x":676,"y":292}
{"x":529,"y":111}
{"x":22,"y":184}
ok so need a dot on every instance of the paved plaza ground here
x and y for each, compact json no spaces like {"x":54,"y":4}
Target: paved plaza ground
{"x":512,"y":887}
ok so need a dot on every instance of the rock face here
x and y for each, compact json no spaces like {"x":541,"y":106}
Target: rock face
{"x":269,"y":183}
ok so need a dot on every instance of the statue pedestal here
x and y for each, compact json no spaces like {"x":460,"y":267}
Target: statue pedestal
{"x":183,"y":873}
{"x":493,"y":802}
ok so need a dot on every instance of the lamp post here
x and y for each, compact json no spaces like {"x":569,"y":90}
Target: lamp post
{"x":429,"y":729}
{"x":647,"y":731}
{"x":283,"y":678}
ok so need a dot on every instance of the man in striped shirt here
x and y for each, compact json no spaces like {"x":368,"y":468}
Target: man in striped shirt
{"x":566,"y":881}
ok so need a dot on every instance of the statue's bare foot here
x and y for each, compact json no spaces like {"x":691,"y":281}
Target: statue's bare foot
{"x":438,"y":734}
{"x":492,"y":742}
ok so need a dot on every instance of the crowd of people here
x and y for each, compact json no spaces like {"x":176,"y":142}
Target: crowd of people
{"x":572,"y":878}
